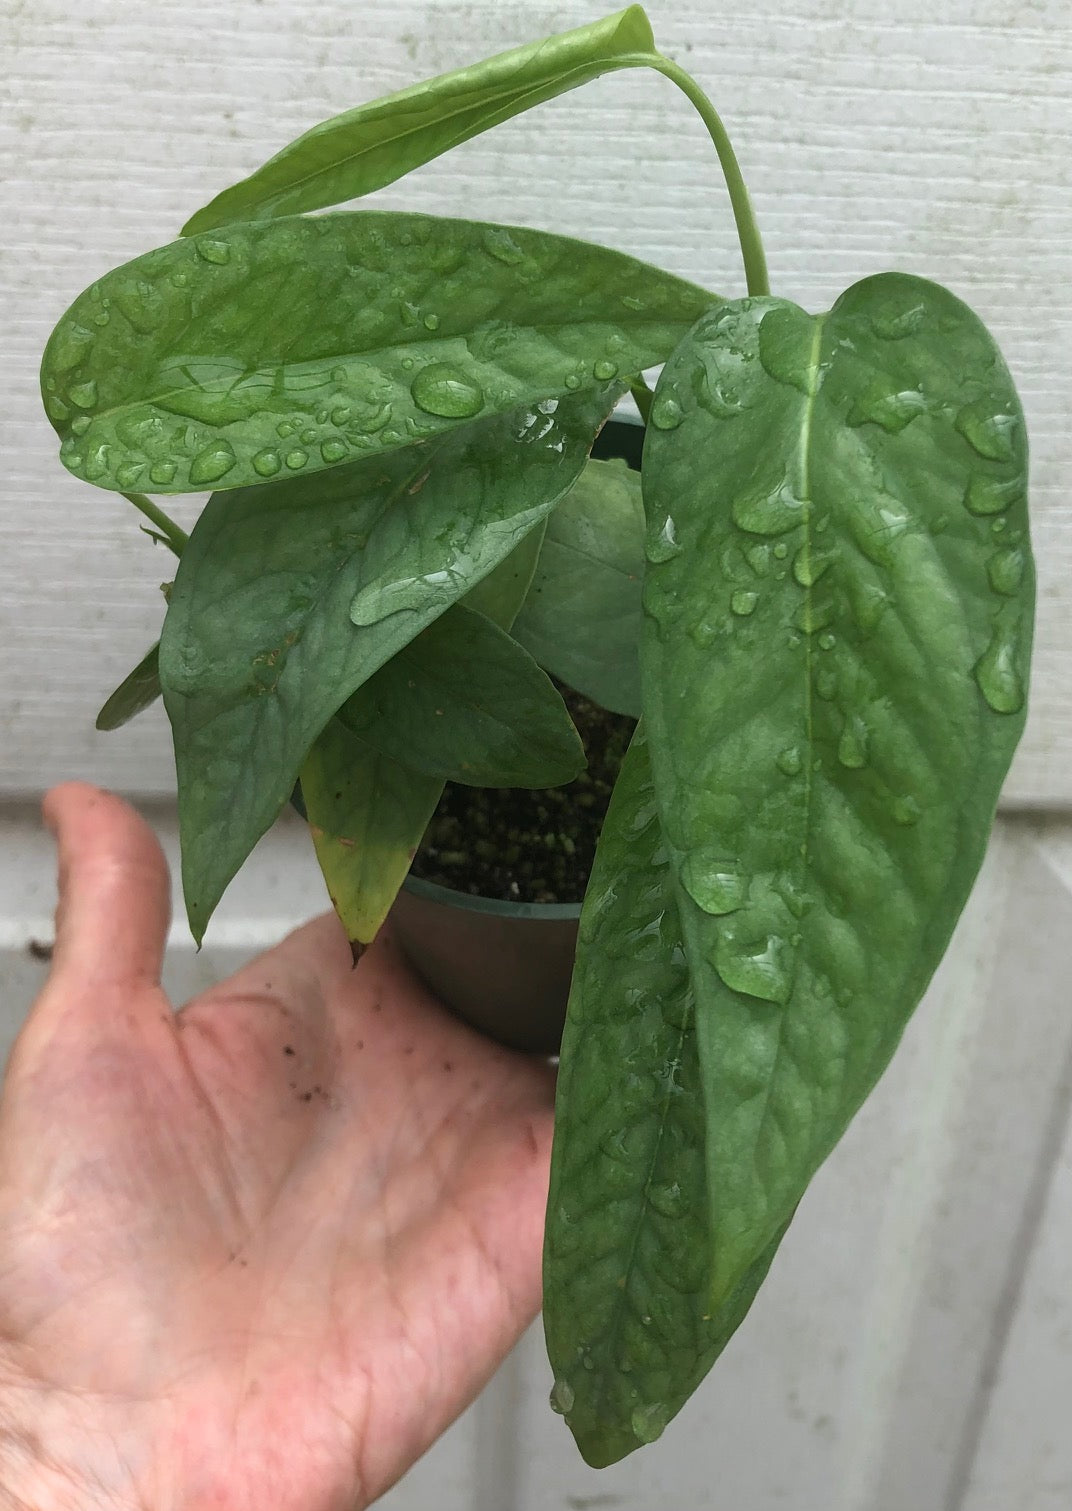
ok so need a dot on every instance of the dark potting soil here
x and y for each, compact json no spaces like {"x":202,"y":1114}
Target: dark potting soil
{"x":528,"y":846}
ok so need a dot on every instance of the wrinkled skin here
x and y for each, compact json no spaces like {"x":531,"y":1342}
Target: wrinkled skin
{"x":258,"y":1253}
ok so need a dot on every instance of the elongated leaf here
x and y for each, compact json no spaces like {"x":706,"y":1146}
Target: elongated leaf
{"x":264,"y":351}
{"x":502,"y":592}
{"x":464,"y":702}
{"x":364,"y":149}
{"x":834,"y":663}
{"x":259,"y":647}
{"x":367,"y":813}
{"x":135,"y":693}
{"x":582,"y":617}
{"x":630,"y":1331}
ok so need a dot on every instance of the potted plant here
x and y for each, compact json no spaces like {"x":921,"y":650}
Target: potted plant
{"x":411,"y":588}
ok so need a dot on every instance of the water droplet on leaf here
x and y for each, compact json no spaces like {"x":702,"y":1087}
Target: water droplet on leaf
{"x":768,"y":512}
{"x":891,"y":409}
{"x":996,"y":670}
{"x":713,"y":883}
{"x":83,"y":395}
{"x":267,"y":463}
{"x":501,"y":245}
{"x":296,"y":459}
{"x":758,"y":968}
{"x":988,"y":495}
{"x":852,"y":746}
{"x":334,"y":451}
{"x":906,"y":812}
{"x":562,"y":1397}
{"x":790,"y":761}
{"x":128,"y":473}
{"x":162,"y":473}
{"x":80,"y":424}
{"x":217,"y":252}
{"x":992,"y":435}
{"x":786,"y":342}
{"x":1005,"y":569}
{"x":743,"y":602}
{"x":445,"y":391}
{"x":212,"y":463}
{"x":666,"y":413}
{"x":605,"y":371}
{"x":810,"y":564}
{"x":663,"y":544}
{"x":431,"y":322}
{"x":894,"y":322}
{"x":649,"y":1422}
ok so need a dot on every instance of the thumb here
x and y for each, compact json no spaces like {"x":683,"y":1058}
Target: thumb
{"x":114,"y":891}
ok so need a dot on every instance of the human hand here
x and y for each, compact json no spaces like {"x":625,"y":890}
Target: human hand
{"x":259,"y":1253}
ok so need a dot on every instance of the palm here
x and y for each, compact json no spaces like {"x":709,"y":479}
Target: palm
{"x":288,"y":1232}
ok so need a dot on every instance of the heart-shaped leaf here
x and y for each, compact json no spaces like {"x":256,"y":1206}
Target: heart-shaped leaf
{"x":463,"y":702}
{"x":289,"y":347}
{"x":630,"y":1329}
{"x":259,"y":645}
{"x":834,"y":660}
{"x":364,"y":149}
{"x":582,"y":616}
{"x":138,"y":691}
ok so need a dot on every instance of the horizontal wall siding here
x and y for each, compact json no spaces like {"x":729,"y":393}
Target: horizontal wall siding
{"x":874,"y":134}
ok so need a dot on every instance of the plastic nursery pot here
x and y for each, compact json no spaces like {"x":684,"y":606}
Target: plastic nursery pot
{"x":503,"y":967}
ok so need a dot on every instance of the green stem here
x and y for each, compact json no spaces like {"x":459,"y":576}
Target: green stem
{"x":642,"y":396}
{"x":172,"y":533}
{"x":755,"y":261}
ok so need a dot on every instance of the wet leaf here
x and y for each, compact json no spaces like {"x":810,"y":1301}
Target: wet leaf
{"x":137,"y":692}
{"x":268,"y":351}
{"x":364,"y":149}
{"x":630,"y":1330}
{"x":833,"y":690}
{"x":288,"y":597}
{"x":582,"y":616}
{"x":465,"y":703}
{"x":502,"y":592}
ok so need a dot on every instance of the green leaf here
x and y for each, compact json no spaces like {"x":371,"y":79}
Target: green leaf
{"x":464,"y":702}
{"x":502,"y":592}
{"x":364,"y":149}
{"x":582,"y":617}
{"x":367,"y":814}
{"x":285,"y":348}
{"x":630,"y":1331}
{"x":259,"y":646}
{"x":839,"y":614}
{"x":137,"y":692}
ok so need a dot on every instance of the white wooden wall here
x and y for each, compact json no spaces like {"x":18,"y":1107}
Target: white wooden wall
{"x":913,"y":1346}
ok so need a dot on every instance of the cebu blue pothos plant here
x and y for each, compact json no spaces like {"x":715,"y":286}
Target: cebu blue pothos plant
{"x":833,"y":650}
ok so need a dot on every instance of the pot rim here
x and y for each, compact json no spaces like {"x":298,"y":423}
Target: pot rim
{"x":495,"y":906}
